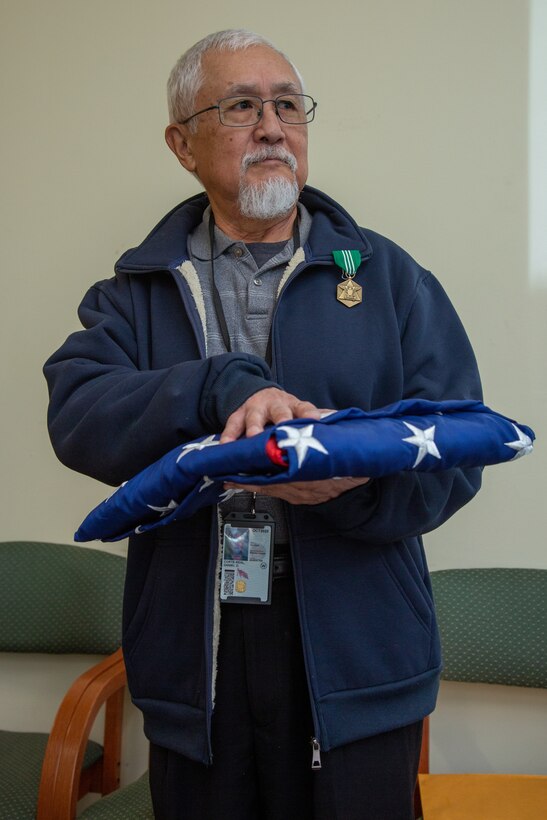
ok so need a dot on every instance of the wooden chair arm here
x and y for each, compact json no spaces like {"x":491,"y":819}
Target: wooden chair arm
{"x":59,"y":785}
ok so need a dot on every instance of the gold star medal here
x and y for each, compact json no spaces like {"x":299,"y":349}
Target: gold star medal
{"x":348,"y":292}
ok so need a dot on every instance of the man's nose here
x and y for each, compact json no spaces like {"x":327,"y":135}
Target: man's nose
{"x":269,"y":127}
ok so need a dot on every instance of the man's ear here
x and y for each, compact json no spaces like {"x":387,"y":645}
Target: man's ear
{"x":176,"y":137}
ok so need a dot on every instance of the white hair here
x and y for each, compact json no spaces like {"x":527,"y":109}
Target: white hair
{"x":186,"y":77}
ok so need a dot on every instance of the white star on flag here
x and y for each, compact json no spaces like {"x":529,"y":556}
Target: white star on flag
{"x":164,"y":510}
{"x":206,"y":483}
{"x":302,"y":441}
{"x":197,"y":445}
{"x":523,"y":445}
{"x":227,"y":494}
{"x":424,"y":441}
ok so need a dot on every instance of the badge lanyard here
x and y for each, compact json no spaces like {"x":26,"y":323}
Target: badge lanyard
{"x":247,"y":538}
{"x":217,"y":302}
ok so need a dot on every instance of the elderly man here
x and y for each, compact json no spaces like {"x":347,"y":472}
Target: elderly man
{"x":258,"y":301}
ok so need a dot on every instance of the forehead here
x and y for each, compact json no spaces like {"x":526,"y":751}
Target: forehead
{"x":255,"y":70}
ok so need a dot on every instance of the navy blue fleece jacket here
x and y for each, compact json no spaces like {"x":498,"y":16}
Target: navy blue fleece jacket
{"x":136,"y":382}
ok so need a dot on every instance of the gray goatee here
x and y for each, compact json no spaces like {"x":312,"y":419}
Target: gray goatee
{"x":275,"y":196}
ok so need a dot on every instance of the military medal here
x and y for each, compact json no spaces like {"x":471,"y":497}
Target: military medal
{"x":348,"y":292}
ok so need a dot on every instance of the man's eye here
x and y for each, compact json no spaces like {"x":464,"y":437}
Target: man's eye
{"x":242,"y":105}
{"x":286,"y":104}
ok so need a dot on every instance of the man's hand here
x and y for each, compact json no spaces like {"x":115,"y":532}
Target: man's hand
{"x":268,"y":406}
{"x":303,"y":492}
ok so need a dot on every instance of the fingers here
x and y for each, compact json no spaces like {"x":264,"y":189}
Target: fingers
{"x":303,"y":492}
{"x":235,"y":426}
{"x":294,"y":493}
{"x":268,"y":406}
{"x":260,"y":413}
{"x":306,"y":410}
{"x":280,"y":408}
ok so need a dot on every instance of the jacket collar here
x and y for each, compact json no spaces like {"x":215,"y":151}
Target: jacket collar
{"x":165,"y":246}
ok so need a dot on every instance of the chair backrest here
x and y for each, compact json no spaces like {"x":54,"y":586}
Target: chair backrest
{"x":59,"y":598}
{"x":493,"y":625}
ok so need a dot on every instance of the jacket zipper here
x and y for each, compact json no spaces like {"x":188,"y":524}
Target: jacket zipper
{"x":296,"y":272}
{"x":316,"y":753}
{"x":211,"y":586}
{"x":314,"y":740}
{"x":211,"y":591}
{"x":199,"y":334}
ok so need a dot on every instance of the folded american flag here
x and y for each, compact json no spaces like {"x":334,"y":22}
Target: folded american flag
{"x":414,"y":434}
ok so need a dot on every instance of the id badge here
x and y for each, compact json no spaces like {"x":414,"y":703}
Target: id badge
{"x":247,"y":558}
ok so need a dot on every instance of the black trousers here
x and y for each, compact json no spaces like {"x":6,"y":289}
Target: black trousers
{"x":261,"y":734}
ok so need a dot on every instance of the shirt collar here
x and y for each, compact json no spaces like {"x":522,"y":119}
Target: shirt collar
{"x":198,"y":240}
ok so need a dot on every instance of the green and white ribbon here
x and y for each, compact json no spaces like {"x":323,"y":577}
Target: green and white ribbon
{"x":348,"y":261}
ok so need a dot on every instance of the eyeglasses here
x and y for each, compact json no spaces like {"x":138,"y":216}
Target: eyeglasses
{"x":239,"y":112}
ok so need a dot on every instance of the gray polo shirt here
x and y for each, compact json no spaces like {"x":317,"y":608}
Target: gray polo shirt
{"x":247,"y":278}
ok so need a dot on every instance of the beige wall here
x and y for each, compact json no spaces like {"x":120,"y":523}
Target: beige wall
{"x":422,"y":133}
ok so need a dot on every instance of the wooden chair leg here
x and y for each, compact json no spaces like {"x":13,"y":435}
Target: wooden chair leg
{"x":423,"y":766}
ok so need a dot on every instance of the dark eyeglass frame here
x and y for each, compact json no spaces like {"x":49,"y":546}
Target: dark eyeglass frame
{"x":275,"y":101}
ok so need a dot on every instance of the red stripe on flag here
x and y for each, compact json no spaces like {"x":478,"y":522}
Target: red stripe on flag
{"x":275,"y":454}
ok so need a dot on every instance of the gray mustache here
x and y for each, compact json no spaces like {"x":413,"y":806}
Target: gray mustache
{"x":269,"y":152}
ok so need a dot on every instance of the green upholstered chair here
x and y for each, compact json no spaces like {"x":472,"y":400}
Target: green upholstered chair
{"x":493,"y":625}
{"x":133,"y":802}
{"x":59,"y":599}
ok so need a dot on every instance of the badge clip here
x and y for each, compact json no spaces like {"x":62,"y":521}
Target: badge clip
{"x":247,"y":557}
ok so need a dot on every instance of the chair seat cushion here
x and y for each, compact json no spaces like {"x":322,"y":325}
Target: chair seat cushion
{"x":133,"y":802}
{"x":21,"y":756}
{"x":483,"y":796}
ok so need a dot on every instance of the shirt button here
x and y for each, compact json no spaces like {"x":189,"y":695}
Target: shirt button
{"x":238,"y":252}
{"x":257,"y":282}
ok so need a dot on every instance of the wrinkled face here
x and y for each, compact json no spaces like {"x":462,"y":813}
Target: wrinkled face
{"x":215,"y":152}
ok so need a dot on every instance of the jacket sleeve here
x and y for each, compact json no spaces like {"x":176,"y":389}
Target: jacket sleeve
{"x":438,"y":364}
{"x":109,"y":417}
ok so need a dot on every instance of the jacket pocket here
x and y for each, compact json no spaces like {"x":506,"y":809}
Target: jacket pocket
{"x":406,"y":576}
{"x":164,"y":644}
{"x":366,"y":616}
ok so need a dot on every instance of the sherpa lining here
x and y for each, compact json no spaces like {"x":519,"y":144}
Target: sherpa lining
{"x":188,"y":271}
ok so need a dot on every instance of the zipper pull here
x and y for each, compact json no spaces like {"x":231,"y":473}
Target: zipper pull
{"x":316,"y":754}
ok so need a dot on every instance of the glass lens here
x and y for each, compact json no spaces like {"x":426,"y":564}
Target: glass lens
{"x":240,"y":110}
{"x":295,"y":108}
